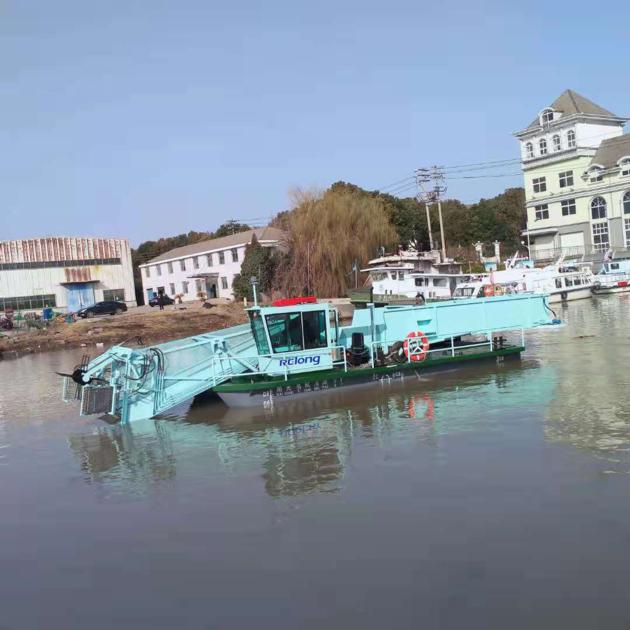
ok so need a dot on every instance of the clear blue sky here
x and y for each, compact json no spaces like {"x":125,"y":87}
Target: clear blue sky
{"x":147,"y":119}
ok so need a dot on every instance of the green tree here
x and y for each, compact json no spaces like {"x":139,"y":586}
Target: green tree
{"x":230,"y":227}
{"x":259,"y":262}
{"x":326,"y":234}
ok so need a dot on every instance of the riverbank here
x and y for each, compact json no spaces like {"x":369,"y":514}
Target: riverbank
{"x":151,"y":325}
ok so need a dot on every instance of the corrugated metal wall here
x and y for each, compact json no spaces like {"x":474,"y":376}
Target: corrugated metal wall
{"x":59,"y":249}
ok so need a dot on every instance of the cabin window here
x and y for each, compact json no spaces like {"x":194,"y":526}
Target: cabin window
{"x":401,"y":275}
{"x":258,"y":330}
{"x":393,"y":274}
{"x":292,"y":332}
{"x":439,"y":282}
{"x":558,"y":283}
{"x":614,"y":265}
{"x":419,"y":282}
{"x":568,"y":282}
{"x":314,"y":329}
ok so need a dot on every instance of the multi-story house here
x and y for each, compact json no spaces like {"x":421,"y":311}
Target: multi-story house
{"x":208,"y":267}
{"x":576,"y":167}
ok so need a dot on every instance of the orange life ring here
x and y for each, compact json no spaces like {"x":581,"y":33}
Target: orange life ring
{"x":416,"y":346}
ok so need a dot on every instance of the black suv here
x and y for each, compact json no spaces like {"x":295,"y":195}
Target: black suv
{"x":103,"y":308}
{"x":165,"y":300}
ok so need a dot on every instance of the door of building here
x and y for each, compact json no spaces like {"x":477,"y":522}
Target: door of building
{"x":79,"y":295}
{"x":572,"y":243}
{"x":211,"y":288}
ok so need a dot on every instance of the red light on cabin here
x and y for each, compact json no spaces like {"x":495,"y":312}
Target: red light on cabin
{"x":311,"y":299}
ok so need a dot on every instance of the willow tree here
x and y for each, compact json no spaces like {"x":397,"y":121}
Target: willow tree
{"x":327,"y":233}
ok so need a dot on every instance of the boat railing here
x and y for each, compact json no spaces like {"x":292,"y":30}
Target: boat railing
{"x":450,"y":350}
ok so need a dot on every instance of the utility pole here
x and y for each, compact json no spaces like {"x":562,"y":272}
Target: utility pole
{"x":431,"y":186}
{"x":422,"y":178}
{"x":439,"y":188}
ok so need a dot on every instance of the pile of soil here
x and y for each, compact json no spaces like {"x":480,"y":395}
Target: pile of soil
{"x":152,"y":327}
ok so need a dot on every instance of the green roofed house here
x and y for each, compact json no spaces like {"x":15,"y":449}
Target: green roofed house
{"x":576,"y":167}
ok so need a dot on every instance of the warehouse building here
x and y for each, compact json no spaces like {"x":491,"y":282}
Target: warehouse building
{"x":65,"y":273}
{"x":206,"y":268}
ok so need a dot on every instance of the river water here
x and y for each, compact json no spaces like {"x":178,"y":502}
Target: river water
{"x":491,"y":497}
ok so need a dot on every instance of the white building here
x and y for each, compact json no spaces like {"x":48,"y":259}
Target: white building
{"x":66,"y":273}
{"x":576,"y":167}
{"x":207,"y":267}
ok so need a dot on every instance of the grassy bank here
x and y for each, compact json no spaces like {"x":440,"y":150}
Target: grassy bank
{"x":152,"y":326}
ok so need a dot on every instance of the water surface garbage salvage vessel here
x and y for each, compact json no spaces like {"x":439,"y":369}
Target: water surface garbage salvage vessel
{"x":297,"y":347}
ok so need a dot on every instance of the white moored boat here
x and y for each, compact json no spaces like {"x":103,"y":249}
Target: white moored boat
{"x":412,"y":274}
{"x":613,"y":277}
{"x":561,"y":281}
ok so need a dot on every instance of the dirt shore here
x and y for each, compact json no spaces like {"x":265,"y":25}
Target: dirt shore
{"x":152,"y":326}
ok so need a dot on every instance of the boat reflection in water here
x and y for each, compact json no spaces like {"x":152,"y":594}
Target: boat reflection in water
{"x":303,"y":446}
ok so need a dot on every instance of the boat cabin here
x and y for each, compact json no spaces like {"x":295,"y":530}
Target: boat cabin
{"x":615,"y":267}
{"x":291,"y":335}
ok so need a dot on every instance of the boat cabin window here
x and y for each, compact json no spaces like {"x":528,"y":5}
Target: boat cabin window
{"x":568,"y":282}
{"x":464,"y":292}
{"x":614,"y":265}
{"x":292,"y":332}
{"x":558,"y":283}
{"x":419,"y":282}
{"x":393,"y":274}
{"x":258,"y":330}
{"x":439,"y":282}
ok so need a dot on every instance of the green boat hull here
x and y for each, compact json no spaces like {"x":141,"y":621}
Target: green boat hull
{"x":254,"y":391}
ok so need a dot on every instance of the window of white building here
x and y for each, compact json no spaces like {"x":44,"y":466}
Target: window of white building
{"x":598,"y":208}
{"x":147,"y":272}
{"x":235,"y":255}
{"x":595,"y":175}
{"x":171,"y":287}
{"x":539,"y":184}
{"x":222,"y":258}
{"x":116,"y":295}
{"x":547,"y":116}
{"x":556,"y":143}
{"x":169,"y":266}
{"x":600,"y":236}
{"x":158,"y":269}
{"x":568,"y":207}
{"x":566,"y":179}
{"x":626,"y":231}
{"x":626,"y":203}
{"x":542,"y":212}
{"x":209,"y":258}
{"x":625,"y":167}
{"x":185,"y":286}
{"x":542,"y":146}
{"x":529,"y":150}
{"x":182,"y":264}
{"x":224,"y":283}
{"x":571,"y":139}
{"x":195,"y":262}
